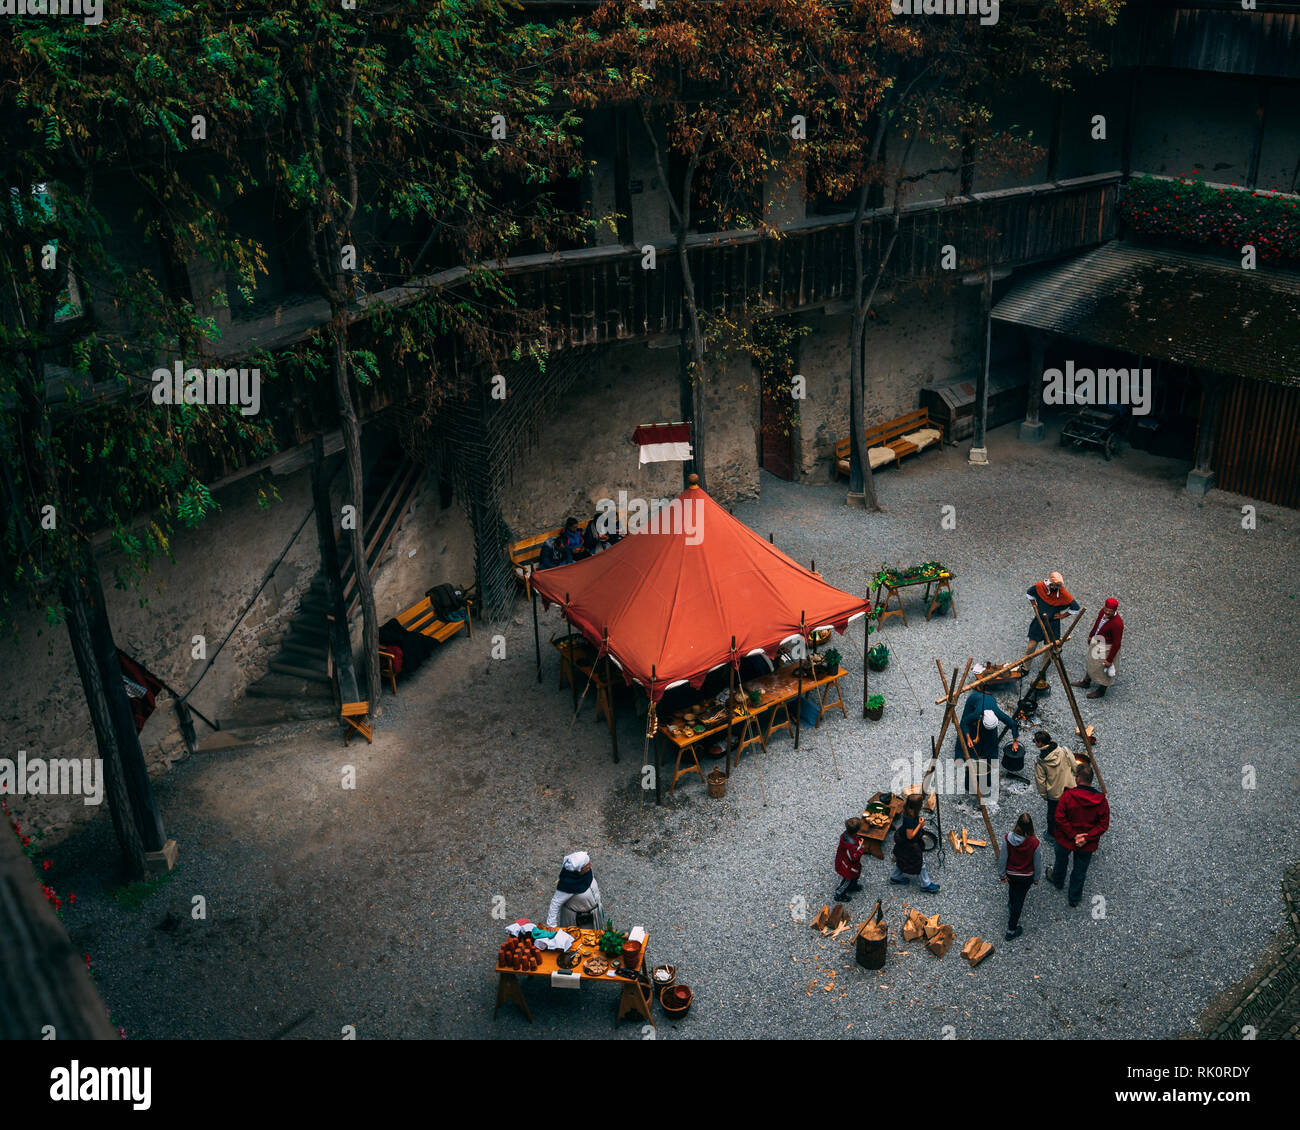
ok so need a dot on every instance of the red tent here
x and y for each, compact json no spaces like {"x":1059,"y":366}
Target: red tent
{"x":671,"y":597}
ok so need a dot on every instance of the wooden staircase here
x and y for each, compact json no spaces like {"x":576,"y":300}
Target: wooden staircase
{"x":296,"y":686}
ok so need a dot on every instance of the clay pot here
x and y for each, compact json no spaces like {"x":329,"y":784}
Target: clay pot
{"x":631,"y":954}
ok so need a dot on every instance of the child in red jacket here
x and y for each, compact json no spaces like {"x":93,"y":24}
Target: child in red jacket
{"x":848,"y":858}
{"x":1082,"y":817}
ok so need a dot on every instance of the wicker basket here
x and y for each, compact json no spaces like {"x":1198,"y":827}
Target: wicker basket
{"x":669,"y":1006}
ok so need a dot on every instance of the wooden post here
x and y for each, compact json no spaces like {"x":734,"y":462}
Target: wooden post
{"x":537,"y":639}
{"x":573,"y":656}
{"x":979,"y":796}
{"x":978,"y":451}
{"x":1201,"y":477}
{"x":1031,"y":428}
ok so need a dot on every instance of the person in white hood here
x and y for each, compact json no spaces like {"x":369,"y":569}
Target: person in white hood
{"x":576,"y":901}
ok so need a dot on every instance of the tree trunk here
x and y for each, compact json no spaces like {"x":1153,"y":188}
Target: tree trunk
{"x":356,"y":485}
{"x":340,"y":641}
{"x":148,"y":819}
{"x":699,"y":383}
{"x":119,"y":804}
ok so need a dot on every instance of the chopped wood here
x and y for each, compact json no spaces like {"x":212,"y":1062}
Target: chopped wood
{"x":940,"y":941}
{"x":819,"y":919}
{"x":976,"y":950}
{"x":913,"y":925}
{"x":978,"y":843}
{"x":841,"y":928}
{"x":952,"y":839}
{"x":964,"y":841}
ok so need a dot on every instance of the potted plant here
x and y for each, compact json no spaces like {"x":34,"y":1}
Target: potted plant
{"x":875,"y":707}
{"x":611,"y":942}
{"x":942,"y":602}
{"x":832,"y":658}
{"x":878,"y":657}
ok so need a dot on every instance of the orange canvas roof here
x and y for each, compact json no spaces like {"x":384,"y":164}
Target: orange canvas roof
{"x":671,"y":600}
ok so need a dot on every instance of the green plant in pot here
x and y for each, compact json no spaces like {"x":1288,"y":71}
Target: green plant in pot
{"x":611,"y":942}
{"x":832,"y":658}
{"x":878,"y":657}
{"x":943,"y":602}
{"x":875,"y":706}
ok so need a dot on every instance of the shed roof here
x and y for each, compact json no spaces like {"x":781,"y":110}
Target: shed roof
{"x":1193,"y":309}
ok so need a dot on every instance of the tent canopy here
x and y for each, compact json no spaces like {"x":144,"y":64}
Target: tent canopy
{"x":671,"y":597}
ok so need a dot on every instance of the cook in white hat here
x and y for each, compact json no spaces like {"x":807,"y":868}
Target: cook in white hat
{"x":576,"y":901}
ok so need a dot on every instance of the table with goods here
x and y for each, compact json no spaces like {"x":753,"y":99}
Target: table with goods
{"x":929,"y":573}
{"x":759,"y":711}
{"x":877,"y":819}
{"x":606,"y":956}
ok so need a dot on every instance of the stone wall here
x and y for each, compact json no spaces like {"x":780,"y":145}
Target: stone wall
{"x":917,"y":338}
{"x":217,"y":568}
{"x":1195,"y":121}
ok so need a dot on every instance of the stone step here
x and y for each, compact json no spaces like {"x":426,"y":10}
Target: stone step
{"x":295,"y":671}
{"x":257,"y":716}
{"x":311,"y":654}
{"x":278,"y":685}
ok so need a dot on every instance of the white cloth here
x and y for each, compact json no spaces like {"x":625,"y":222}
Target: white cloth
{"x":561,"y":941}
{"x":990,"y":720}
{"x":520,"y":927}
{"x":636,"y":934}
{"x":665,"y":452}
{"x":576,"y":861}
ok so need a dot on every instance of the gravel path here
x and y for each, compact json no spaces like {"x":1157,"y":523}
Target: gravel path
{"x":374,"y":907}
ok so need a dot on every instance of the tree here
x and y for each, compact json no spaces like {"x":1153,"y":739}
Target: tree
{"x":713,"y":85}
{"x":886,"y":81}
{"x":82,"y":322}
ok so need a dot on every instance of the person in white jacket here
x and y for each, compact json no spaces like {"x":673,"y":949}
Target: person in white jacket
{"x":576,"y":901}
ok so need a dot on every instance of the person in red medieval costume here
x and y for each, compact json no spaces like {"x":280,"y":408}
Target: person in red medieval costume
{"x":1103,"y":646}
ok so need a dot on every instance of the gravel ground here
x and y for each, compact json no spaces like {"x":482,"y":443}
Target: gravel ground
{"x":373,"y":907}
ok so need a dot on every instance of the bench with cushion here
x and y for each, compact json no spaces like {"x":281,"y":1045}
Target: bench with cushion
{"x":888,"y":443}
{"x":423,"y":619}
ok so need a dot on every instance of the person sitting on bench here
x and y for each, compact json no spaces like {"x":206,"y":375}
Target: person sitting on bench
{"x":554,"y":552}
{"x":571,"y":537}
{"x":601,"y":533}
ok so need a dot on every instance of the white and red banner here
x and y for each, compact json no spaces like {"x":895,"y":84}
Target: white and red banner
{"x":663,"y":443}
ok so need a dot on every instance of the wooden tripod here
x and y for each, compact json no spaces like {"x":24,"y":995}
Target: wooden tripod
{"x":1054,"y":657}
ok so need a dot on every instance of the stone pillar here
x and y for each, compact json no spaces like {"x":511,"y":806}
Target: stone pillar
{"x":1201,"y":477}
{"x":1031,"y":428}
{"x":978,"y":452}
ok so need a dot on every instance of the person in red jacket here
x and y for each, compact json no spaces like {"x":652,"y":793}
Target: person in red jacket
{"x":848,"y":858}
{"x":1103,"y":646}
{"x":1082,"y":817}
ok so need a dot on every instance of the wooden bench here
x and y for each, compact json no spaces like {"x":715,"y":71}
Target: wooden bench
{"x":356,"y":716}
{"x":524,"y":556}
{"x":423,"y":619}
{"x":888,"y":443}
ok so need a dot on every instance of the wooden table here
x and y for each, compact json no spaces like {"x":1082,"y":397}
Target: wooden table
{"x":633,"y":1001}
{"x":874,"y":838}
{"x":942,"y":582}
{"x":777,"y":689}
{"x":577,"y":661}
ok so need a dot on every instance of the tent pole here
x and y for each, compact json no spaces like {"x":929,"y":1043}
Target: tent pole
{"x":573,"y":656}
{"x":650,"y":692}
{"x":537,"y":638}
{"x":609,"y":696}
{"x":798,"y":701}
{"x":731,"y":698}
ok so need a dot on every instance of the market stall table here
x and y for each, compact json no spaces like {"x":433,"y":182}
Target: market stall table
{"x":577,"y":663}
{"x":873,"y":839}
{"x":777,"y":690}
{"x":941,"y":580}
{"x":633,"y":1000}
